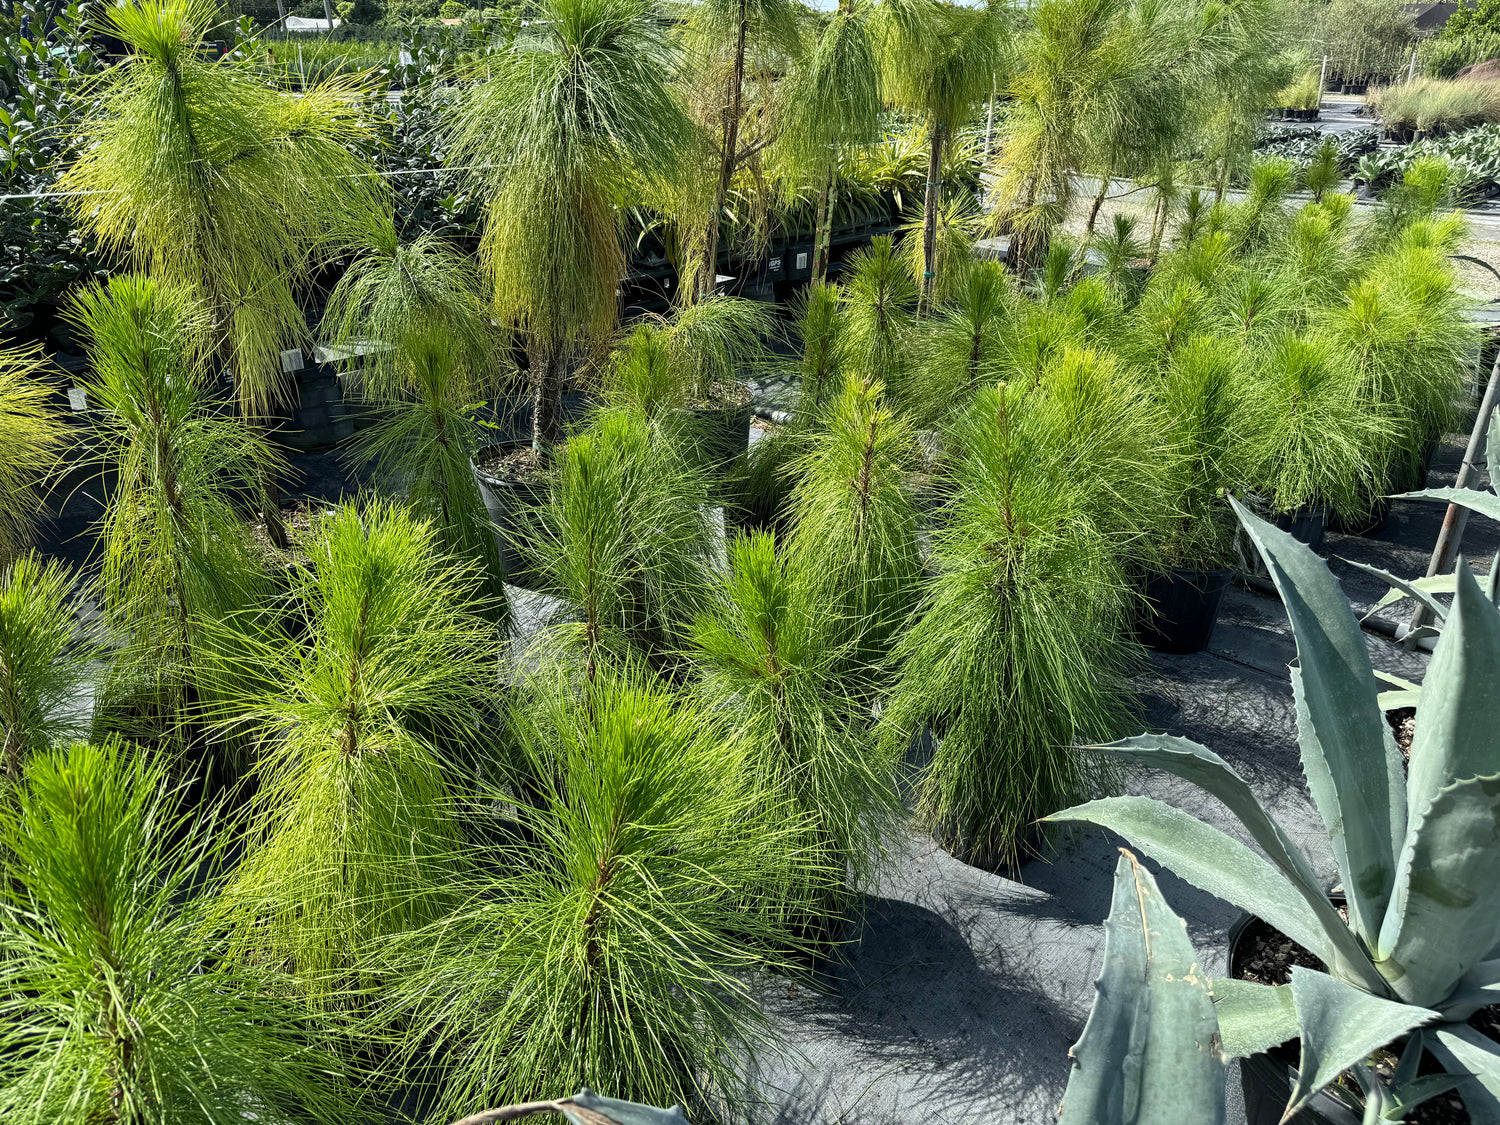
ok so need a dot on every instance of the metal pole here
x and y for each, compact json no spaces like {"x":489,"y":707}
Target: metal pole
{"x":1457,"y":516}
{"x":1411,"y":70}
{"x":989,"y":121}
{"x":1322,"y":81}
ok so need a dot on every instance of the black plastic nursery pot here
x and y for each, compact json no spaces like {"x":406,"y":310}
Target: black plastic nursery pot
{"x":1267,"y":1079}
{"x":721,"y":432}
{"x":1307,"y":523}
{"x":1400,"y":476}
{"x":318,"y":418}
{"x":508,"y":500}
{"x":1181,"y":607}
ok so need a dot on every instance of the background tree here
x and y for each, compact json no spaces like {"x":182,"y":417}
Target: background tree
{"x":727,"y":38}
{"x":939,"y":61}
{"x":832,"y":107}
{"x":558,"y":131}
{"x":206,"y":178}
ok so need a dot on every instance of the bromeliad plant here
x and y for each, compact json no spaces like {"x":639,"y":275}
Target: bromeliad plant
{"x":115,"y":1004}
{"x":360,"y":723}
{"x":1416,"y":849}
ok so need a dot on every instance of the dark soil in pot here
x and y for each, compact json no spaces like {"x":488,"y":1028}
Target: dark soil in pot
{"x":1181,"y":607}
{"x":719,"y":426}
{"x":513,"y":485}
{"x":1261,"y":953}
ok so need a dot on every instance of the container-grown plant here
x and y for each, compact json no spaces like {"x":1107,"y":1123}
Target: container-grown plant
{"x":550,"y":133}
{"x":352,"y":833}
{"x":42,"y":668}
{"x":116,"y":999}
{"x":32,"y":434}
{"x":175,"y":547}
{"x":414,"y":310}
{"x":1415,"y":843}
{"x":611,"y":944}
{"x":199,"y":174}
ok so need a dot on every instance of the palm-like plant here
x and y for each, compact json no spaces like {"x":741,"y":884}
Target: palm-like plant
{"x":175,"y":549}
{"x":771,"y":653}
{"x":32,"y":437}
{"x":207,"y":179}
{"x":41,"y":668}
{"x":416,"y":308}
{"x":557,"y":131}
{"x":352,"y":834}
{"x":833,"y":107}
{"x":113,"y":1005}
{"x":940,"y":60}
{"x":609,"y":947}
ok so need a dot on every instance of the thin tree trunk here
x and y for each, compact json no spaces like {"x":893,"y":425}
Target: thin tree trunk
{"x":1158,"y":228}
{"x":733,"y":105}
{"x":546,"y":386}
{"x":822,"y":229}
{"x":328,"y":12}
{"x":929,"y":215}
{"x":1098,"y":203}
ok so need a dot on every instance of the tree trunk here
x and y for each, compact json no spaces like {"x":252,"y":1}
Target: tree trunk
{"x":823,"y":230}
{"x":328,"y":13}
{"x":733,"y":105}
{"x":1158,"y":228}
{"x":546,"y":387}
{"x":929,"y":216}
{"x":281,"y":14}
{"x":1098,"y":203}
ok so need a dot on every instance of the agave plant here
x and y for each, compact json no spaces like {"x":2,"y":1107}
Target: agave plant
{"x":359,"y":725}
{"x":175,"y":546}
{"x":416,"y":309}
{"x":114,"y":1004}
{"x":32,"y":436}
{"x":1416,"y":849}
{"x":43,"y":669}
{"x":1150,"y":1052}
{"x":612,"y":941}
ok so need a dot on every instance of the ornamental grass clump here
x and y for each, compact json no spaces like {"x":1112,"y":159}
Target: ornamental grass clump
{"x":115,"y":1003}
{"x":772,"y":652}
{"x":43,"y":667}
{"x":174,"y":540}
{"x":32,"y":436}
{"x":1020,"y":647}
{"x":611,"y":945}
{"x":416,"y":312}
{"x":359,"y":725}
